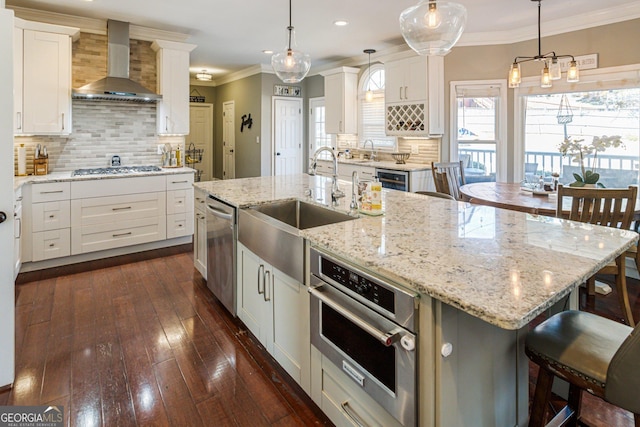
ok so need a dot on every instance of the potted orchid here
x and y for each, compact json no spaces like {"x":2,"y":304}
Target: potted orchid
{"x":581,"y":152}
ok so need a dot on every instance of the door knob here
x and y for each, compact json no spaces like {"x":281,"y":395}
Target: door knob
{"x":277,"y":154}
{"x":3,"y":217}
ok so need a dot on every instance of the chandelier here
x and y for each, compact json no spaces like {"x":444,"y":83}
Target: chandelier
{"x":432,"y":28}
{"x":203,"y":76}
{"x":291,"y":66}
{"x":551,"y":69}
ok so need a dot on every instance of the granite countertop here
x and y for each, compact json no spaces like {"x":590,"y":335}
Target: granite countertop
{"x":504,"y":267}
{"x":19,"y":181}
{"x":382,"y":164}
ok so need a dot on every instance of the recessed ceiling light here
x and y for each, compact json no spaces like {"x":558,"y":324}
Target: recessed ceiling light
{"x":268,"y":52}
{"x":340,"y":23}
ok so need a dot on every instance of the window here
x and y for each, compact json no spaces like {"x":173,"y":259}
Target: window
{"x":478,"y":128}
{"x":605,"y":102}
{"x":371,"y":114}
{"x":317,"y":136}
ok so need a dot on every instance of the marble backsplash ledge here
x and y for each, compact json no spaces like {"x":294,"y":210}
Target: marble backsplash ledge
{"x":101,"y":130}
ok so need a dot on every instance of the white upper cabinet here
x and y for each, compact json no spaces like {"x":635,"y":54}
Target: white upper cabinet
{"x":341,"y":100}
{"x":414,"y":96}
{"x":173,"y":85}
{"x":42,"y":82}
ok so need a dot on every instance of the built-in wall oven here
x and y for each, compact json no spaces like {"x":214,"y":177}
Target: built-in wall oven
{"x":368,"y":328}
{"x":393,"y":179}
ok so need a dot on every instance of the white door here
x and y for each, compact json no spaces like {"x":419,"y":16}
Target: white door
{"x":228,"y":140}
{"x":287,"y":129}
{"x":7,"y":287}
{"x":201,"y":136}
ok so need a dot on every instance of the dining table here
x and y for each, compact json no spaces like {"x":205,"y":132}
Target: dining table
{"x":510,"y":195}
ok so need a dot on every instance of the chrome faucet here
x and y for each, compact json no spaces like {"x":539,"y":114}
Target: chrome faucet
{"x":354,"y":191}
{"x":372,"y":154}
{"x":336,"y":193}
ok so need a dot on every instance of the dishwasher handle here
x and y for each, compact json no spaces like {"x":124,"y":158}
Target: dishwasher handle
{"x":219,"y":213}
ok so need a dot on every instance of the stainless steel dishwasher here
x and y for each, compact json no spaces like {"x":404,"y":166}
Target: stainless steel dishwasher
{"x":221,"y":252}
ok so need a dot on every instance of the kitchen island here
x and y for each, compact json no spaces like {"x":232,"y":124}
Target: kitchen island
{"x":482,"y":274}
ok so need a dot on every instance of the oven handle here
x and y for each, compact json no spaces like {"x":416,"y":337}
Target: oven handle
{"x":386,"y":338}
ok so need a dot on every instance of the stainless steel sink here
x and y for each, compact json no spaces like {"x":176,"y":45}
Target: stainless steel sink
{"x":301,"y":215}
{"x":272,"y":231}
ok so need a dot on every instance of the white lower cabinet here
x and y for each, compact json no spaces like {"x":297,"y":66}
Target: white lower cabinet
{"x":341,"y":399}
{"x":365,"y":173}
{"x":200,"y":232}
{"x":275,"y":308}
{"x":50,"y":220}
{"x":17,"y":232}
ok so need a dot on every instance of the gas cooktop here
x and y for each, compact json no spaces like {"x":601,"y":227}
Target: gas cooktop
{"x":119,"y":170}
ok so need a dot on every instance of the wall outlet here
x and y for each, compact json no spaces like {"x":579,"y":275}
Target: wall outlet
{"x":159,"y":148}
{"x":415,"y":149}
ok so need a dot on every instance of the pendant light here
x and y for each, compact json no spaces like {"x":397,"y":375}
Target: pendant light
{"x":551,"y":69}
{"x":432,"y":27}
{"x":290,"y":65}
{"x":368,"y":96}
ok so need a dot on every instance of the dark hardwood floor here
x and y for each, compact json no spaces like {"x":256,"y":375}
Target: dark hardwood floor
{"x":140,"y":340}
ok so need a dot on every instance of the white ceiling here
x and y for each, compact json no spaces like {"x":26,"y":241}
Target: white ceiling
{"x":231,"y":35}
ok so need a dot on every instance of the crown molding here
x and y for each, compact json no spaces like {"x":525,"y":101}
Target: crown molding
{"x":95,"y":26}
{"x":553,"y":27}
{"x":242,"y":74}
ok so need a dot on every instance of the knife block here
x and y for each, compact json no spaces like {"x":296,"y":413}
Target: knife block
{"x":41,"y":166}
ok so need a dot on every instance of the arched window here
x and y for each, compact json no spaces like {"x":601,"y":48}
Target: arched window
{"x":371,"y":117}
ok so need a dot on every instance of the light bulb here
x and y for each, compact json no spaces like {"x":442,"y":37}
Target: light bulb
{"x":368,"y":96}
{"x":433,"y":19}
{"x":545,"y":79}
{"x":573,"y":75}
{"x":288,"y":62}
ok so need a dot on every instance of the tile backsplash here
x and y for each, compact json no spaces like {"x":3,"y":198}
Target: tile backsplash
{"x":100,"y":130}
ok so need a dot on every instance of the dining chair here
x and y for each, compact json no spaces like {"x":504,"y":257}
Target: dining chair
{"x":448,"y":177}
{"x":530,"y":173}
{"x":526,"y":209}
{"x":590,"y":352}
{"x":436,"y":194}
{"x":610,"y":207}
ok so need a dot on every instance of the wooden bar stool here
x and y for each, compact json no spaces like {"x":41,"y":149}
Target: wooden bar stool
{"x":591,"y":353}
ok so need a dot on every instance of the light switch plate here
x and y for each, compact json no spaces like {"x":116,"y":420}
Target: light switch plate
{"x":414,"y":149}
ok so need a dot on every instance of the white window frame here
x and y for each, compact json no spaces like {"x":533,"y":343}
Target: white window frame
{"x":362,"y":89}
{"x":625,"y":76}
{"x":501,"y":121}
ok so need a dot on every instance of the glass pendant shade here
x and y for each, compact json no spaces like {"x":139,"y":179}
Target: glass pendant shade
{"x":291,"y":65}
{"x":545,"y":78}
{"x":514,"y":75}
{"x":554,"y":70}
{"x":573,"y":75}
{"x":432,"y":28}
{"x":368,"y":95}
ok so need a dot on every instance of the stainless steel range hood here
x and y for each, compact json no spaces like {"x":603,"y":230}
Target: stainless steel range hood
{"x":117,"y":86}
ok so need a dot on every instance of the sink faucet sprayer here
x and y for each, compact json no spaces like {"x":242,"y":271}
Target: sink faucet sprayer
{"x":335,"y":191}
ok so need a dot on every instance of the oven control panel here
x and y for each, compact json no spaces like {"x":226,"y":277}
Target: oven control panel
{"x":363,"y":286}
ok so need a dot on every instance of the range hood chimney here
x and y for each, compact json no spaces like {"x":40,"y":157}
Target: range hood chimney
{"x":117,"y":86}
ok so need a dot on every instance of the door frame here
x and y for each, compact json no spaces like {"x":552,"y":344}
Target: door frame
{"x":233,"y":128}
{"x":274,"y":118}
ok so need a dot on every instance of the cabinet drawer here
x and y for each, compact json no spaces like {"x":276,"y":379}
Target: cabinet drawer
{"x":200,"y":200}
{"x":51,"y":244}
{"x":343,"y":401}
{"x":179,"y":182}
{"x":179,"y":201}
{"x":93,"y":188}
{"x":50,"y":215}
{"x":179,"y":225}
{"x":97,"y":237}
{"x":106,"y":210}
{"x":50,"y":192}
